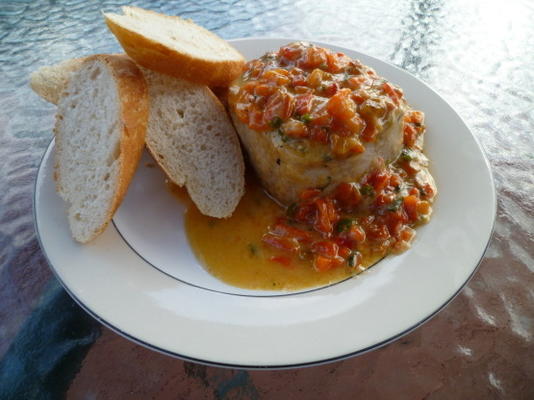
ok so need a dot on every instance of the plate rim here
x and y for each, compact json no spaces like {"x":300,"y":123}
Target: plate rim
{"x":287,"y":365}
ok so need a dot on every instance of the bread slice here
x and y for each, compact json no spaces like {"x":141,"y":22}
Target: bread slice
{"x":100,"y":131}
{"x":191,"y":137}
{"x":50,"y":81}
{"x":175,"y":46}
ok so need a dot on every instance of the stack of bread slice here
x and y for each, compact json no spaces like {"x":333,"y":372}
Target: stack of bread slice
{"x":110,"y":106}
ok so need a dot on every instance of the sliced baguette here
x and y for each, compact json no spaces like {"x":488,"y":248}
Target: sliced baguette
{"x":50,"y":81}
{"x":175,"y":46}
{"x":100,"y":130}
{"x":189,"y":135}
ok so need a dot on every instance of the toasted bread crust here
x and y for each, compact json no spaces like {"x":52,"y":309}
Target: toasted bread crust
{"x":134,"y":109}
{"x":161,"y":58}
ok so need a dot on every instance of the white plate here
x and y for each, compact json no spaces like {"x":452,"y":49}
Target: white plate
{"x":141,"y":279}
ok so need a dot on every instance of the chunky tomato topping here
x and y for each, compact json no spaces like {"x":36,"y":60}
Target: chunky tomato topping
{"x":375,"y":215}
{"x":310,"y":93}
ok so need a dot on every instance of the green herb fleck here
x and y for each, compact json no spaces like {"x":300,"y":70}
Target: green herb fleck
{"x":252,"y":249}
{"x":283,"y":135}
{"x":367,"y":190}
{"x":353,"y":258}
{"x":323,"y":66}
{"x":397,"y":188}
{"x":276,"y":122}
{"x":344,"y":224}
{"x":306,"y":118}
{"x":328,"y":181}
{"x":327,"y":157}
{"x":394,"y":205}
{"x":405,"y":155}
{"x":291,"y":210}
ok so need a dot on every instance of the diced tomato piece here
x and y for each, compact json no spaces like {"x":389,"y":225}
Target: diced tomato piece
{"x":378,"y":231}
{"x":395,"y":180}
{"x":264,"y":90}
{"x":249,"y":86}
{"x":414,"y":192}
{"x":327,"y":215}
{"x":379,"y":180}
{"x":321,"y":119}
{"x":280,"y":105}
{"x":341,"y":106}
{"x":423,"y":207}
{"x":256,"y":119}
{"x":306,"y":213}
{"x":337,"y":62}
{"x":359,"y":97}
{"x":357,"y":233}
{"x":428,"y":191}
{"x":294,"y":128}
{"x":370,"y":131}
{"x":355,"y":82}
{"x":282,"y":243}
{"x":410,"y":206}
{"x":410,"y":134}
{"x":355,"y":124}
{"x":319,"y":134}
{"x":277,"y":76}
{"x":325,"y":248}
{"x":344,"y":251}
{"x":297,"y":77}
{"x":285,"y":261}
{"x":393,"y":94}
{"x":281,"y":229}
{"x":303,"y":103}
{"x":322,"y":263}
{"x":396,"y":220}
{"x":331,"y":89}
{"x":348,"y":195}
{"x":315,"y":78}
{"x":345,"y":146}
{"x":254,"y":68}
{"x":290,"y":53}
{"x":313,"y":57}
{"x":416,"y":117}
{"x":407,"y":234}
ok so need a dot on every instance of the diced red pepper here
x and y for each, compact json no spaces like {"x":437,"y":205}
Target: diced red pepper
{"x":410,"y":205}
{"x":313,"y":57}
{"x":282,"y":243}
{"x":322,"y":263}
{"x":348,"y":195}
{"x":282,"y":229}
{"x":337,"y":62}
{"x":285,"y":261}
{"x":290,"y":53}
{"x":303,"y":103}
{"x":279,"y":105}
{"x":393,"y":94}
{"x":309,"y":194}
{"x":319,"y":134}
{"x":341,"y":106}
{"x":410,"y":134}
{"x":327,"y":216}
